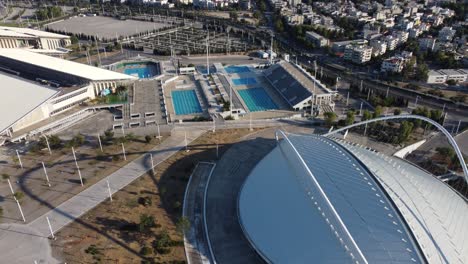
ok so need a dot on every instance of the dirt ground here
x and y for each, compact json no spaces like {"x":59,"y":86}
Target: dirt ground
{"x":107,"y":234}
{"x":61,"y":169}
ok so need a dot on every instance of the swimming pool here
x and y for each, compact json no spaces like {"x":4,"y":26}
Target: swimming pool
{"x":257,"y":99}
{"x":185,"y":102}
{"x":141,"y":72}
{"x":236,"y":69}
{"x":244,"y":81}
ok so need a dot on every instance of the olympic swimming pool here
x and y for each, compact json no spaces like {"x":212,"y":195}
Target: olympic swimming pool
{"x":185,"y":102}
{"x":257,"y":99}
{"x":244,"y":81}
{"x":236,"y":69}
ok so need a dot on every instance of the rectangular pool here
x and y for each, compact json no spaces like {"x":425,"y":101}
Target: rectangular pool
{"x":257,"y":99}
{"x":185,"y":102}
{"x":236,"y":69}
{"x":141,"y":72}
{"x":244,"y":81}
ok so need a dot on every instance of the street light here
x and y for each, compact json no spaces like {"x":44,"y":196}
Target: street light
{"x":416,"y":102}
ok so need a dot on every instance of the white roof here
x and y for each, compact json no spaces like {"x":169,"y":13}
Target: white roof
{"x":19,"y":97}
{"x":65,"y":66}
{"x":28,"y":33}
{"x":436,"y":214}
{"x":287,"y":220}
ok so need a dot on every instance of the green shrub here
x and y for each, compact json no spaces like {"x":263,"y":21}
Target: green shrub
{"x":146,"y":251}
{"x":5,"y":176}
{"x":148,"y":139}
{"x":146,"y":222}
{"x":19,"y":195}
{"x":145,"y":201}
{"x":92,"y":250}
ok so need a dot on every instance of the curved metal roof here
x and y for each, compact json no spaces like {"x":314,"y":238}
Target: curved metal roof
{"x":288,"y":220}
{"x":436,"y":214}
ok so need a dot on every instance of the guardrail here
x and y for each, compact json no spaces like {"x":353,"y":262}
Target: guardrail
{"x":320,"y":200}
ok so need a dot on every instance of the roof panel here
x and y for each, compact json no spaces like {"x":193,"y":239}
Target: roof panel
{"x":19,"y":97}
{"x":64,"y":66}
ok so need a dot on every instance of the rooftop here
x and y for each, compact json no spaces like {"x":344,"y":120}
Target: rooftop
{"x":27,"y":33}
{"x":19,"y":97}
{"x":65,"y":66}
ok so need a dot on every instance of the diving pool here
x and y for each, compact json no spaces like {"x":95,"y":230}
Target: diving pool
{"x":185,"y":102}
{"x":141,"y":72}
{"x":236,"y":69}
{"x":257,"y":99}
{"x":244,"y":81}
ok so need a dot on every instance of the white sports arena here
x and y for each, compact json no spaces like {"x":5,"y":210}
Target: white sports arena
{"x":319,"y":199}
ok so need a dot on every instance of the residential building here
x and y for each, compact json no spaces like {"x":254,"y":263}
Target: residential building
{"x":441,"y":76}
{"x":316,"y":39}
{"x":358,"y":53}
{"x":402,"y":36}
{"x":379,"y":47}
{"x":393,"y":64}
{"x":427,"y":43}
{"x":446,"y":34}
{"x":392,"y":42}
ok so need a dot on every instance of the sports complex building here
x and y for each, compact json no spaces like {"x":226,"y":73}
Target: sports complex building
{"x":320,"y":199}
{"x":34,"y":40}
{"x":40,"y":87}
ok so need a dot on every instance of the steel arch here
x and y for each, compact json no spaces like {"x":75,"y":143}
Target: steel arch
{"x":432,"y":122}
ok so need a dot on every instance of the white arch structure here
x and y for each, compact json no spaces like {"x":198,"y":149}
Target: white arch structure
{"x":432,"y":122}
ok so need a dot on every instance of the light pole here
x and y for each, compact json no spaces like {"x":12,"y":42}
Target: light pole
{"x":416,"y":102}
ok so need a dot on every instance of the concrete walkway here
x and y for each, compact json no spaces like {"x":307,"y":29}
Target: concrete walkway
{"x":195,"y":240}
{"x":29,"y":243}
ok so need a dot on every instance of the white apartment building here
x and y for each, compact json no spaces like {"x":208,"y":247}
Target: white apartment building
{"x":392,"y":64}
{"x":379,"y":47}
{"x":316,"y":39}
{"x":402,"y":36}
{"x":358,"y":54}
{"x":441,"y":76}
{"x":392,"y":42}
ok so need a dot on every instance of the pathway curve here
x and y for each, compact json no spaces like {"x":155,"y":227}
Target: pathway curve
{"x":195,"y":240}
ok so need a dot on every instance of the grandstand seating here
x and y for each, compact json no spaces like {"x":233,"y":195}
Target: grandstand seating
{"x":292,"y":90}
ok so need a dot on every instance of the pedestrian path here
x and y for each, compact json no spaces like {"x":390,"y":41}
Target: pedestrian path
{"x":34,"y":235}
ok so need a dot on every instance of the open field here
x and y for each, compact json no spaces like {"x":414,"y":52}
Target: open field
{"x":111,"y":233}
{"x":104,"y":27}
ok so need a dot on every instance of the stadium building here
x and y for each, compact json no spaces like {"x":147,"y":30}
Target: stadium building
{"x":300,"y":89}
{"x":34,"y":40}
{"x":317,"y":199}
{"x":39,"y":87}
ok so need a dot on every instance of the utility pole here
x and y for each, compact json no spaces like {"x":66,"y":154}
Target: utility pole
{"x":207,"y":54}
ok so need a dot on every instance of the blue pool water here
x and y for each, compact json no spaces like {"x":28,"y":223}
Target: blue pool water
{"x":142,"y":72}
{"x":244,"y":81}
{"x":257,"y":99}
{"x":236,"y":69}
{"x":185,"y":102}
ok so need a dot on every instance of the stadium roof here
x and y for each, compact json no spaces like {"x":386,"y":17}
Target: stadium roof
{"x":27,"y":33}
{"x":65,"y":66}
{"x":19,"y":97}
{"x":394,"y":215}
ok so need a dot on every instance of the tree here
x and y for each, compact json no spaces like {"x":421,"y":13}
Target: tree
{"x":366,"y":115}
{"x":378,"y":111}
{"x":421,"y":72}
{"x":148,"y":139}
{"x":397,"y":111}
{"x":405,"y":131}
{"x":330,"y":118}
{"x":233,"y":15}
{"x":451,"y":82}
{"x":74,"y":39}
{"x":183,"y":225}
{"x":350,"y":116}
{"x":146,"y":222}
